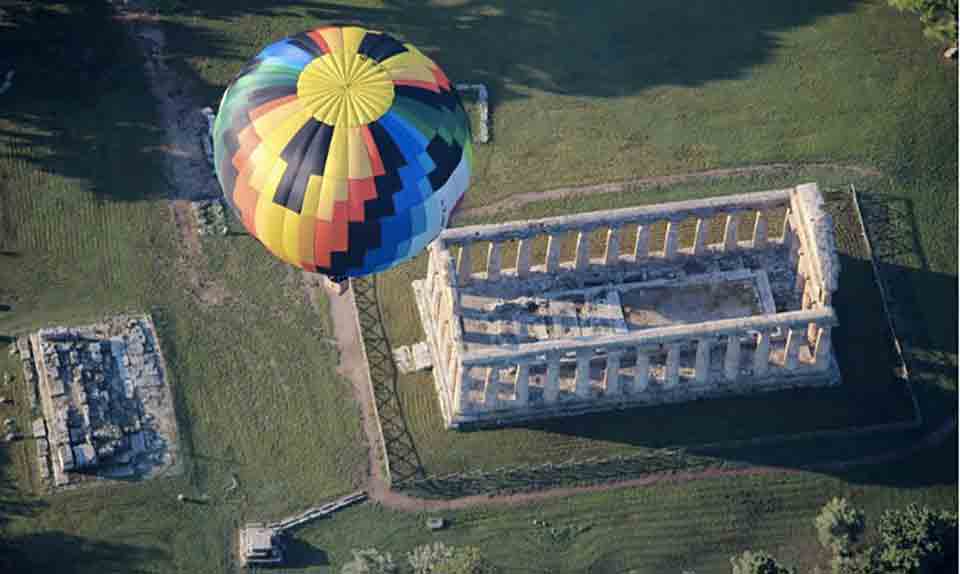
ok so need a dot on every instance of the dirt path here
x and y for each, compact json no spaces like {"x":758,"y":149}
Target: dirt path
{"x":521,"y":199}
{"x":185,"y":168}
{"x":353,"y":366}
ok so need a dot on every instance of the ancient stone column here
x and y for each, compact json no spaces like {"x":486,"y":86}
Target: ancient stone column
{"x":582,"y":387}
{"x":641,"y":371}
{"x":730,"y":232}
{"x":521,"y":384}
{"x":760,"y":231}
{"x":802,"y":275}
{"x":702,"y":367}
{"x":444,"y":330}
{"x":612,"y":253}
{"x":792,"y":352}
{"x":493,"y":261}
{"x":671,"y":240}
{"x":449,"y":353}
{"x":437,"y":298}
{"x":813,"y":332}
{"x":431,"y":277}
{"x":700,"y":238}
{"x":611,"y":375}
{"x":551,"y":389}
{"x":822,"y":351}
{"x":553,"y":253}
{"x":582,"y":258}
{"x":461,"y":390}
{"x":523,"y":257}
{"x":464,"y":265}
{"x":641,"y":247}
{"x":791,"y":240}
{"x":672,"y":370}
{"x":491,"y":386}
{"x":761,"y":356}
{"x":731,"y":362}
{"x":456,"y":303}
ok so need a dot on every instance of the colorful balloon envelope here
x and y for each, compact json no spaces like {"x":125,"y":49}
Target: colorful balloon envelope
{"x":342,"y":150}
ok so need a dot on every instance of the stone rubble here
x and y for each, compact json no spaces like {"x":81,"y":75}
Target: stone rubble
{"x":206,"y":138}
{"x":211,"y":217}
{"x":412,"y":358}
{"x":482,"y":134}
{"x":105,"y":405}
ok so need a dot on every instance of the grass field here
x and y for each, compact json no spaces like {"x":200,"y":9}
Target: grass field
{"x":691,"y":527}
{"x":579,"y":95}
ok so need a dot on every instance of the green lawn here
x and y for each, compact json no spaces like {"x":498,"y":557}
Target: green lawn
{"x":580,"y":95}
{"x":691,"y":526}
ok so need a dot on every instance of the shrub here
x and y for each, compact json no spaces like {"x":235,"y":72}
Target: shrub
{"x":839,"y":525}
{"x":939,"y":17}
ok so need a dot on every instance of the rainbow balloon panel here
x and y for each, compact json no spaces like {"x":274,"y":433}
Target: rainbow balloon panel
{"x":342,"y":150}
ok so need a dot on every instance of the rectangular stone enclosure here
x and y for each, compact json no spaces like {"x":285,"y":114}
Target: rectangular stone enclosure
{"x":106,"y":411}
{"x":653,"y":304}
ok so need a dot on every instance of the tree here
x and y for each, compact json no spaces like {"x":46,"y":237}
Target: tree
{"x":939,"y":17}
{"x":438,"y":558}
{"x":370,"y":561}
{"x":917,"y":540}
{"x":423,"y":558}
{"x":759,"y":562}
{"x":839,"y":525}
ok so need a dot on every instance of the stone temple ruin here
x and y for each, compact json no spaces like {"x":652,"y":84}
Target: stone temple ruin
{"x":713,"y":297}
{"x":104,"y":403}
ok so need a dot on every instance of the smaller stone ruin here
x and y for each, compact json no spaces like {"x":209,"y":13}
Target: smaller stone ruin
{"x":105,"y":407}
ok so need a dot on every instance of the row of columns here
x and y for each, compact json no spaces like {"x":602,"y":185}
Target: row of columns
{"x":612,"y":252}
{"x":640,"y":380}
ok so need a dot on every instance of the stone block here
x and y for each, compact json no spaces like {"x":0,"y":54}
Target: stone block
{"x":84,"y":456}
{"x":43,"y":468}
{"x":65,"y":457}
{"x":39,"y":428}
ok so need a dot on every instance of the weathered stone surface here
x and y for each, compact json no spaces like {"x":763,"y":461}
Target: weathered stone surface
{"x":84,"y":456}
{"x":104,"y":401}
{"x":482,"y":131}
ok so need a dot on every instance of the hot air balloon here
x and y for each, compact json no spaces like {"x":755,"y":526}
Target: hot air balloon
{"x":342,"y":150}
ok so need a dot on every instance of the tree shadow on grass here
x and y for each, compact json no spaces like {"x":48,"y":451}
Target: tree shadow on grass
{"x":56,"y":551}
{"x":79,"y":106}
{"x":301,"y":554}
{"x":560,"y":46}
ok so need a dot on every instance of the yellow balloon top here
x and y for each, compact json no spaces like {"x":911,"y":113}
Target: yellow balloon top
{"x":345,"y":88}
